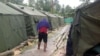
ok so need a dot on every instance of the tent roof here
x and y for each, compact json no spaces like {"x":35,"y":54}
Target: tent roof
{"x":4,"y":9}
{"x":92,"y":9}
{"x":58,"y":15}
{"x":61,"y":16}
{"x":26,"y":9}
{"x":49,"y":14}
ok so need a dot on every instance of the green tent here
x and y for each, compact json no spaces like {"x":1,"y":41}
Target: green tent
{"x":85,"y":32}
{"x":12,"y":28}
{"x":53,"y":20}
{"x":60,"y":20}
{"x":2,"y":1}
{"x":32,"y":16}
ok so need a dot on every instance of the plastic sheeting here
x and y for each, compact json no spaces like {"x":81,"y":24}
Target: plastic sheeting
{"x":68,"y":20}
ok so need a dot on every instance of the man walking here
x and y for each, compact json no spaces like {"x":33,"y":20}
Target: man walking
{"x":42,"y":28}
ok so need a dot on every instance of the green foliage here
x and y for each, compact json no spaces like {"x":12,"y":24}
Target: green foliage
{"x":68,"y":11}
{"x":85,"y":1}
{"x":16,"y":1}
{"x":13,"y":1}
{"x":63,"y":11}
{"x":43,"y":5}
{"x":48,"y":5}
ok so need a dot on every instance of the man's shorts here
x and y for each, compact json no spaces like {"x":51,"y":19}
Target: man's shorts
{"x":42,"y":36}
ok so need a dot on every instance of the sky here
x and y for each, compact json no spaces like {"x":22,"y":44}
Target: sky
{"x":25,"y":1}
{"x":72,"y":3}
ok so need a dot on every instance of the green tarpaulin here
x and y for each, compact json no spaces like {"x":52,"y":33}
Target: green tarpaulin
{"x":12,"y":28}
{"x":32,"y":16}
{"x":68,"y":20}
{"x":85,"y":31}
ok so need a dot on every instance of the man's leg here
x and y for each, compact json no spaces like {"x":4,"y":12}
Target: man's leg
{"x":39,"y":40}
{"x":39,"y":44}
{"x":45,"y":41}
{"x":45,"y":46}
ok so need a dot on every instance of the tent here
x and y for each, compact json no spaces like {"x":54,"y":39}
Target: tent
{"x":60,"y":20}
{"x":32,"y":16}
{"x":2,"y":1}
{"x":85,"y":31}
{"x":12,"y":28}
{"x":53,"y":20}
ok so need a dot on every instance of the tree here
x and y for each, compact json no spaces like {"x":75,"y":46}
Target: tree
{"x":67,"y":11}
{"x":32,"y":3}
{"x":85,"y":1}
{"x":38,"y":5}
{"x":20,"y":2}
{"x":47,"y":5}
{"x":63,"y":11}
{"x":43,"y":4}
{"x":13,"y":1}
{"x":57,"y":7}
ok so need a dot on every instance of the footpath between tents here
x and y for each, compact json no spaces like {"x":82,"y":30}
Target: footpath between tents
{"x":56,"y":40}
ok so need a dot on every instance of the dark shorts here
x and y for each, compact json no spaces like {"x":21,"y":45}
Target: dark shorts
{"x":43,"y":36}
